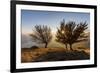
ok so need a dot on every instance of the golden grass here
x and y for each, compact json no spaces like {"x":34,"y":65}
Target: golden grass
{"x":30,"y":55}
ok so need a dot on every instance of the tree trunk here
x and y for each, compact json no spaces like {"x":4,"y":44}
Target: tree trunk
{"x":71,"y":47}
{"x":46,"y":45}
{"x":66,"y":49}
{"x":66,"y":46}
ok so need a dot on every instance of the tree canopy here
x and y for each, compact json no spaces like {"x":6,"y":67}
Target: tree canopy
{"x":70,"y":32}
{"x":41,"y":34}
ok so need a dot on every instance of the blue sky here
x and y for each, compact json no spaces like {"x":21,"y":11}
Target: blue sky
{"x":30,"y":18}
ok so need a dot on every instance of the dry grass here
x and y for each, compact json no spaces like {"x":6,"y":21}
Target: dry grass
{"x":30,"y":55}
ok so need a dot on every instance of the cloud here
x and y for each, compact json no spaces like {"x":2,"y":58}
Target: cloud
{"x":26,"y":41}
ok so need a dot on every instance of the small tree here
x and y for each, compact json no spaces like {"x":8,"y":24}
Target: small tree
{"x":75,"y":34}
{"x":61,"y":35}
{"x":70,"y":33}
{"x":42,"y":34}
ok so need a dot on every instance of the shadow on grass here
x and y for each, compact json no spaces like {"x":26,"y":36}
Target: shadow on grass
{"x":63,"y":56}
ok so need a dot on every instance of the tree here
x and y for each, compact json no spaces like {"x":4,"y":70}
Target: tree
{"x":42,"y":34}
{"x":70,"y":33}
{"x":76,"y":33}
{"x":61,"y":35}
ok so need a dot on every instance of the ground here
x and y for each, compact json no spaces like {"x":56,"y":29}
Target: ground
{"x":53,"y":54}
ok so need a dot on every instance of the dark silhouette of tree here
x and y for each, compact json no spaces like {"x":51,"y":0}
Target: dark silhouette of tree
{"x":61,"y":35}
{"x":42,"y":34}
{"x":70,"y":33}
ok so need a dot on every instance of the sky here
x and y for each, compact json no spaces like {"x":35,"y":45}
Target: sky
{"x":30,"y":18}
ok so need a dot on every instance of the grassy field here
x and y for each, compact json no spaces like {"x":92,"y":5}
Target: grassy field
{"x":53,"y":54}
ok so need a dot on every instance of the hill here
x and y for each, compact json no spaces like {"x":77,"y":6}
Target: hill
{"x":53,"y":54}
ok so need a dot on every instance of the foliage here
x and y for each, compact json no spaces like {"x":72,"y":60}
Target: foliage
{"x":42,"y":34}
{"x":70,"y":32}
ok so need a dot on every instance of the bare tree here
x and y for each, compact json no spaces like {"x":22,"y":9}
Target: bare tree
{"x":75,"y":34}
{"x":71,"y":33}
{"x":61,"y":35}
{"x":42,"y":34}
